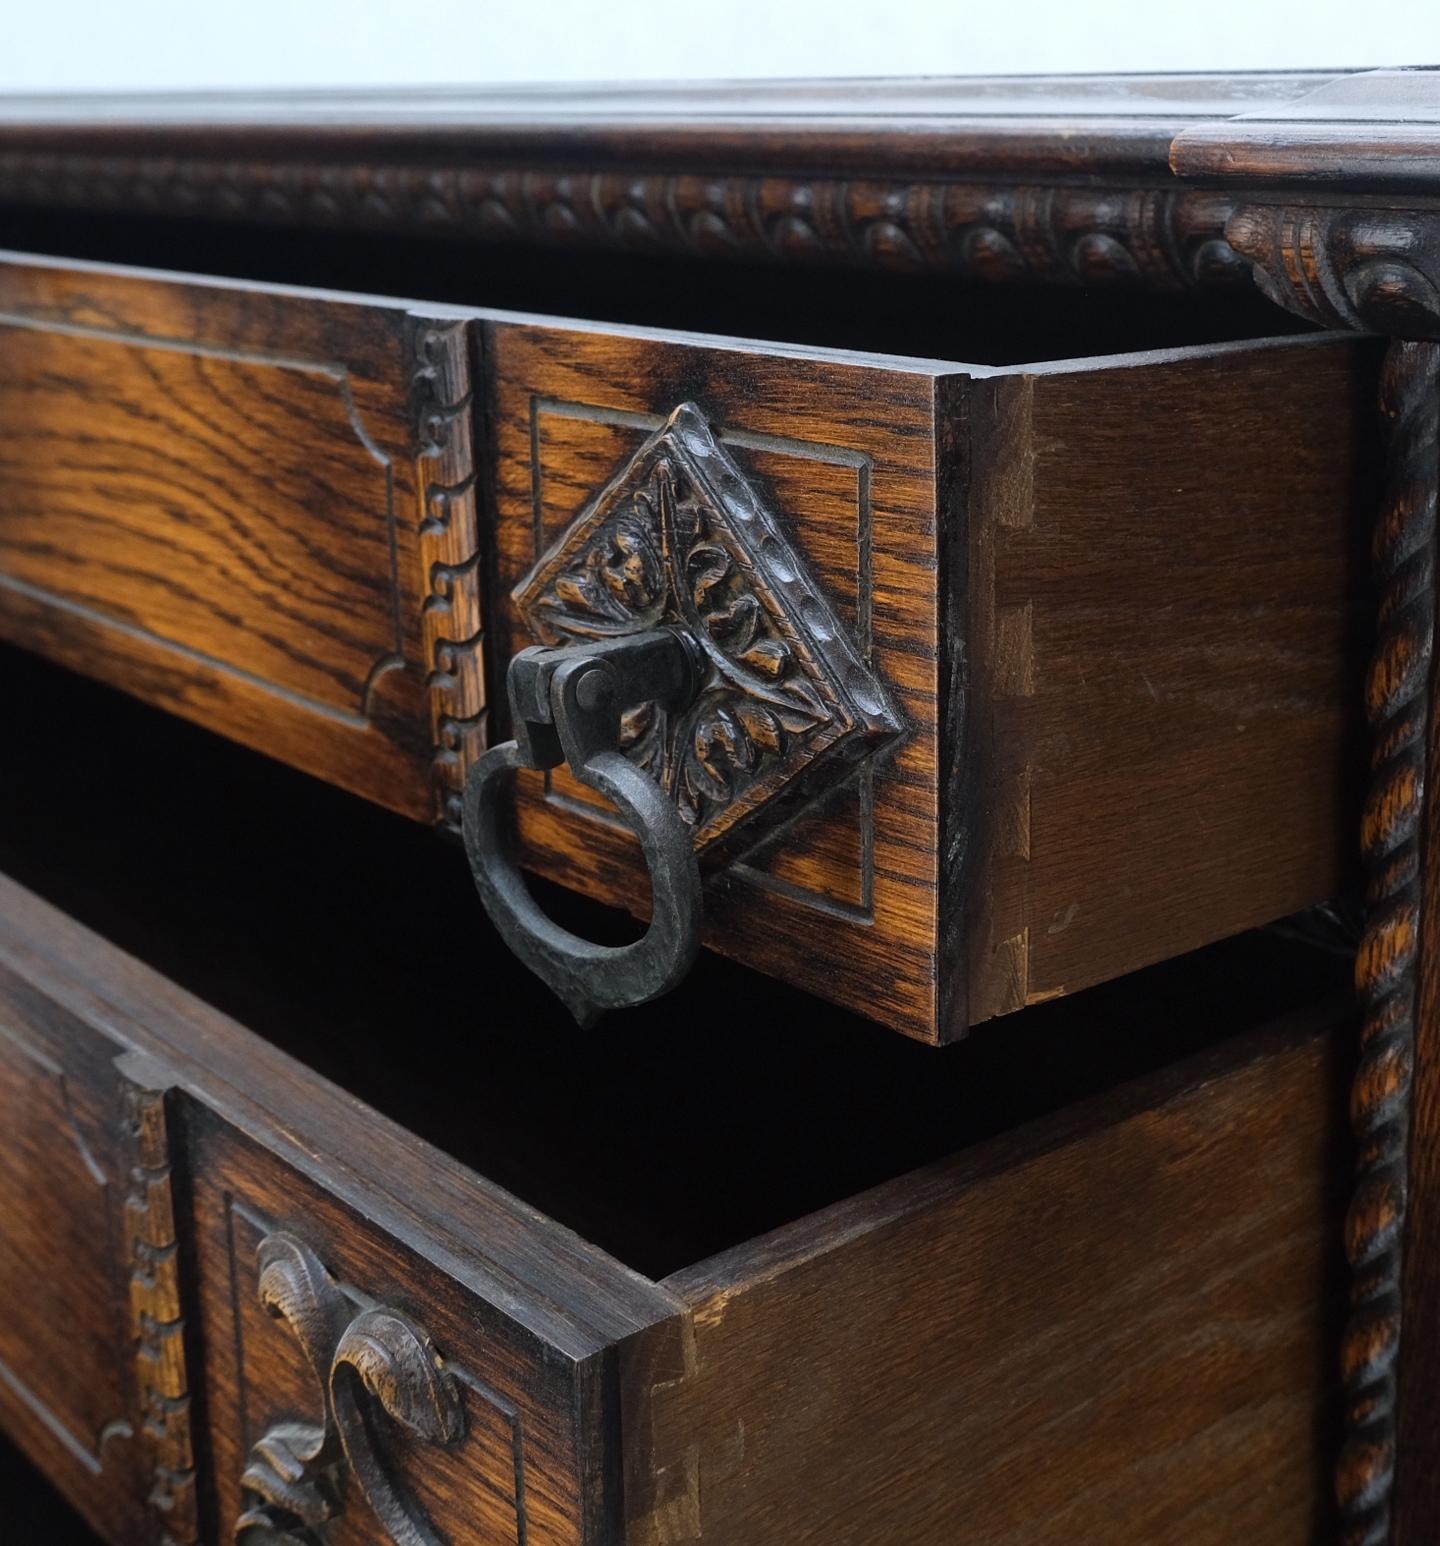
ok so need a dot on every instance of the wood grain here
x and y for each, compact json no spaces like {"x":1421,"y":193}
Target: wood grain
{"x":528,"y":1313}
{"x":1392,"y":1347}
{"x":223,"y":499}
{"x":843,"y":451}
{"x":1064,"y":1305}
{"x":1120,"y":608}
{"x":1168,"y":603}
{"x":66,"y":1338}
{"x":1086,"y":1332}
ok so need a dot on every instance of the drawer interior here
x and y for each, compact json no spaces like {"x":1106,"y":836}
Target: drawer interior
{"x":930,"y":316}
{"x":353,"y":939}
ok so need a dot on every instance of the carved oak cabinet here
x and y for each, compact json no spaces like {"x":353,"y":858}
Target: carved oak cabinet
{"x":821,"y":574}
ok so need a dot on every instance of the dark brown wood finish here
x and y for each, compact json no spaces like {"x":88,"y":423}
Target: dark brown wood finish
{"x":1165,"y":612}
{"x":815,"y":1380}
{"x":71,"y":1389}
{"x":1014,"y":685}
{"x":255,"y":509}
{"x":845,"y":453}
{"x":1336,"y":211}
{"x":1323,"y":187}
{"x":1159,"y":645}
{"x":525,"y":1314}
{"x":1112,"y":1349}
{"x":1060,"y":179}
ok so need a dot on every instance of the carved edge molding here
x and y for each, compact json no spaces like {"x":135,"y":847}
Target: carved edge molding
{"x":1373,"y":269}
{"x":157,"y":1317}
{"x":291,"y":1482}
{"x":449,"y":540}
{"x":1377,"y":269}
{"x":1168,"y":236}
{"x":1387,"y":967}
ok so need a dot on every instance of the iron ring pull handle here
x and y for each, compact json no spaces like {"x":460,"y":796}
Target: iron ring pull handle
{"x":566,"y":705}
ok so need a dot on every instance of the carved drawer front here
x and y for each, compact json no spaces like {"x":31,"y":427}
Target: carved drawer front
{"x":385,"y":1349}
{"x":254,"y":507}
{"x":357,"y":1390}
{"x":1015,"y":679}
{"x":94,"y":1381}
{"x":979,"y":685}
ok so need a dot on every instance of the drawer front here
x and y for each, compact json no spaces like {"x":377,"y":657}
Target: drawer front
{"x":850,"y":464}
{"x":259,"y":1292}
{"x":93,"y":1378}
{"x":329,"y":1345}
{"x":1013,"y":680}
{"x":253,"y":507}
{"x":1112,"y":607}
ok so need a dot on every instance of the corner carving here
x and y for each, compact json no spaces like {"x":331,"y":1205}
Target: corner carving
{"x":449,"y":533}
{"x":1365,"y":268}
{"x":157,"y":1320}
{"x":679,"y":538}
{"x":376,"y":1358}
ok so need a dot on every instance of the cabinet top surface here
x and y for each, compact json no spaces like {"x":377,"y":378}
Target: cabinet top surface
{"x":1058,"y":125}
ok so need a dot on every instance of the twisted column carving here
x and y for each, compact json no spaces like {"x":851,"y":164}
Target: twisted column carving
{"x":1387,"y":968}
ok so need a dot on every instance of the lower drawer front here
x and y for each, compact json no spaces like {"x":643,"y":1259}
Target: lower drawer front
{"x":353,"y":1335}
{"x":87,"y":1274}
{"x":243,"y":1306}
{"x":350,"y":1384}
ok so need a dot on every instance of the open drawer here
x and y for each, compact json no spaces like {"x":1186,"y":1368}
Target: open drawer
{"x":654,"y":1288}
{"x":1015,"y":678}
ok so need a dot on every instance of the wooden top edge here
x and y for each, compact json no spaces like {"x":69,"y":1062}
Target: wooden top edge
{"x":1375,"y":132}
{"x":429,"y":1202}
{"x":15,"y":265}
{"x":1103,"y":125}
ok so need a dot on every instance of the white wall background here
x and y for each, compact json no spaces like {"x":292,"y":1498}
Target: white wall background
{"x":62,"y":45}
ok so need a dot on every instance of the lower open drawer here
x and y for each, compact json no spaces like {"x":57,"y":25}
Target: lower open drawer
{"x":647,"y":1285}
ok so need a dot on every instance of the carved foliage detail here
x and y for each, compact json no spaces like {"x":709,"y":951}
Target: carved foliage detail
{"x":1374,"y":269}
{"x":449,"y":535}
{"x":679,"y":538}
{"x":1163,"y":236}
{"x":158,"y":1324}
{"x":374,"y":1358}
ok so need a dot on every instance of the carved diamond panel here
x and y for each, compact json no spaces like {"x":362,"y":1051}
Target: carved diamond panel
{"x":678,"y":537}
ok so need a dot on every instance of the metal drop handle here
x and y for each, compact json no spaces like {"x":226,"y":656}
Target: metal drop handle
{"x":566,"y":704}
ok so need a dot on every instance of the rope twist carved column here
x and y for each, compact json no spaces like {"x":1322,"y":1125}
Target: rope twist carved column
{"x":1387,"y":969}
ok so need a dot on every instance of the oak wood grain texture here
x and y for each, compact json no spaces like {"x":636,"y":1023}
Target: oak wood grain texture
{"x":251,"y":507}
{"x":162,"y":1324}
{"x":844,"y":453}
{"x":530,"y":1463}
{"x":1373,"y":131}
{"x":1117,"y":604}
{"x":1060,"y":179}
{"x":1336,"y":213}
{"x":530,"y":1313}
{"x":825,"y":1374}
{"x":1086,"y":1332}
{"x":66,"y":1392}
{"x":1167,"y":629}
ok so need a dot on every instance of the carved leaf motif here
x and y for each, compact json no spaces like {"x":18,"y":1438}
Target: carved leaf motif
{"x":376,"y":1354}
{"x":289,"y":1474}
{"x":617,"y":579}
{"x":679,"y":538}
{"x":397,"y":1363}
